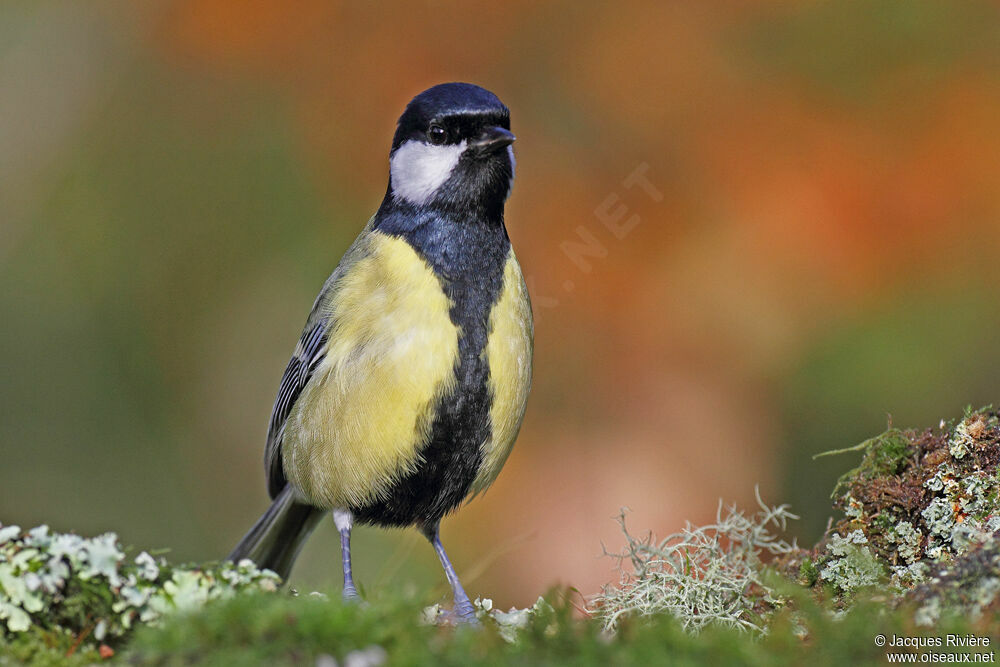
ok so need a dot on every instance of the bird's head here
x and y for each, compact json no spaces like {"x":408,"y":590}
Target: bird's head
{"x":452,"y":150}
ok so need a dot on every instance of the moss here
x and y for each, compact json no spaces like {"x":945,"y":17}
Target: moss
{"x":923,"y":507}
{"x":924,"y":496}
{"x":43,"y":647}
{"x":884,"y":455}
{"x":808,"y":572}
{"x":279,"y":630}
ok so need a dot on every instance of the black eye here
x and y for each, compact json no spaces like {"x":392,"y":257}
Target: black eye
{"x":437,"y":135}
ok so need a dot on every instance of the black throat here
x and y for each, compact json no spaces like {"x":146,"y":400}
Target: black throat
{"x":468,"y":254}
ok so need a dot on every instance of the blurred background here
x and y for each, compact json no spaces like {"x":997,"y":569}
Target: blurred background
{"x":751,"y":232}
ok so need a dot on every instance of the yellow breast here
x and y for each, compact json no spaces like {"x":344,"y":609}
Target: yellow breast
{"x":392,"y":351}
{"x":508,"y":352}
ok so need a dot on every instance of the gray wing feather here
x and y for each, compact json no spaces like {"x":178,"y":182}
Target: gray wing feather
{"x":309,"y":353}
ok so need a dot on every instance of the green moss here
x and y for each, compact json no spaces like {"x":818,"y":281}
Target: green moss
{"x":42,"y":648}
{"x":279,"y":630}
{"x":885,"y":454}
{"x":808,"y":572}
{"x":888,"y":452}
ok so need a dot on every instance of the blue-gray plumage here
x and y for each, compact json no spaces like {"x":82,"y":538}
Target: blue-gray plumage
{"x":409,"y":382}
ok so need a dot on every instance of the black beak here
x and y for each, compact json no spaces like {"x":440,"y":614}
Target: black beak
{"x":492,"y":139}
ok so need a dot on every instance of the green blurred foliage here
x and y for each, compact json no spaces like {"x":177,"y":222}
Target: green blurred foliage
{"x":270,"y":630}
{"x":853,"y":51}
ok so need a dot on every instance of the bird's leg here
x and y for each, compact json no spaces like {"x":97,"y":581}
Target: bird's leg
{"x":344,"y":520}
{"x":464,"y":610}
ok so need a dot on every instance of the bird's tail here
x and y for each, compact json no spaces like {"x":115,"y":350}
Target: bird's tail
{"x":275,"y":540}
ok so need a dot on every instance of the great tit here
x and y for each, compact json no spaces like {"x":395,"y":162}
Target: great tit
{"x":408,"y":385}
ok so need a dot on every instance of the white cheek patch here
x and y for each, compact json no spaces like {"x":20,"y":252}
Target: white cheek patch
{"x":418,"y":169}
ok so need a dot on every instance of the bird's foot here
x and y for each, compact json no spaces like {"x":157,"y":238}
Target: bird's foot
{"x":350,"y":594}
{"x":463,"y":613}
{"x":449,"y":617}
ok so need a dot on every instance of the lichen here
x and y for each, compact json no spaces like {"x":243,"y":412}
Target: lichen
{"x":908,"y":540}
{"x":88,"y":589}
{"x":509,"y":624}
{"x":701,"y":575}
{"x":969,"y":585}
{"x":924,"y":496}
{"x":966,"y":435}
{"x":926,"y":504}
{"x":850,"y":564}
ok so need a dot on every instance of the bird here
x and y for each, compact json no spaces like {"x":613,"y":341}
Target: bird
{"x":408,"y":385}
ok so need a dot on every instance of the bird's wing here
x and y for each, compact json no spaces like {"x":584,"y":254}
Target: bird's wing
{"x":309,"y":353}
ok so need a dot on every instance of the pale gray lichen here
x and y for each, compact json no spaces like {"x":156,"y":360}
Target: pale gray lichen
{"x":928,"y":614}
{"x":508,"y":623}
{"x":851,"y":564}
{"x":853,"y":508}
{"x":148,"y":569}
{"x":44,"y":576}
{"x":964,"y":506}
{"x":956,"y":506}
{"x":939,"y":518}
{"x":908,"y":576}
{"x":514,"y":620}
{"x":908,"y":539}
{"x":967,"y":585}
{"x":372,"y":656}
{"x":929,"y":505}
{"x":700,"y":575}
{"x":966,"y":435}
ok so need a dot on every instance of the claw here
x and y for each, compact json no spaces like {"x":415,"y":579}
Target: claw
{"x":458,"y":617}
{"x":464,"y":612}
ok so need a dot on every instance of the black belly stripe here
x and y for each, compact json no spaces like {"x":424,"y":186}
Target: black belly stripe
{"x":469,"y":256}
